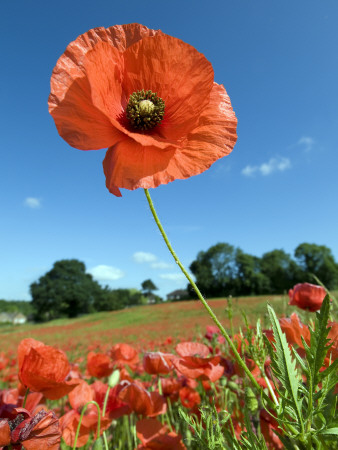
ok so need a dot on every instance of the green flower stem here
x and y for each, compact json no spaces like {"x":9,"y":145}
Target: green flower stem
{"x":103,"y":414}
{"x":204,"y":302}
{"x":25,"y":399}
{"x":92,"y":402}
{"x":272,"y":393}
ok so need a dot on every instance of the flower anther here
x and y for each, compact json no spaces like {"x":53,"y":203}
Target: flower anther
{"x":145,"y":110}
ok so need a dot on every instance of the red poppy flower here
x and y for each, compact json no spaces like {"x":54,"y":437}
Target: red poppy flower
{"x":307,"y":296}
{"x":141,"y":401}
{"x":18,"y":426}
{"x":158,"y":362}
{"x":294,"y":329}
{"x":155,"y":436}
{"x":115,"y":407}
{"x":268,"y":424}
{"x":124,"y":354}
{"x":80,"y":395}
{"x":44,"y":369}
{"x":189,"y":397}
{"x":99,"y":365}
{"x":149,"y":97}
{"x":195,"y":361}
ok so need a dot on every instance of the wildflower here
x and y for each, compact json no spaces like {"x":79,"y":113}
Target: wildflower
{"x":99,"y":365}
{"x":195,"y":361}
{"x":18,"y":426}
{"x":124,"y":354}
{"x":44,"y":369}
{"x":295,"y":330}
{"x":149,"y":97}
{"x":154,"y":435}
{"x":158,"y":362}
{"x":140,"y":400}
{"x":307,"y":296}
{"x":81,"y":394}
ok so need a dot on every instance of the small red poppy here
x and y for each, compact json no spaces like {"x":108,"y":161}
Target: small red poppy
{"x":196,"y":362}
{"x":99,"y":365}
{"x":158,"y":362}
{"x":44,"y":369}
{"x":34,"y":431}
{"x":307,"y":296}
{"x":155,"y":436}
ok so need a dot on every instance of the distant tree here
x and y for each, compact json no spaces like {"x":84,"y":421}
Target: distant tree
{"x":281,"y":270}
{"x":65,"y":291}
{"x":148,"y":287}
{"x":249,"y":279}
{"x":215,"y":270}
{"x":22,"y":306}
{"x":115,"y":299}
{"x":317,"y":260}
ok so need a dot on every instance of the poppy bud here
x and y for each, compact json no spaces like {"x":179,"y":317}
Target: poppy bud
{"x":114,"y":378}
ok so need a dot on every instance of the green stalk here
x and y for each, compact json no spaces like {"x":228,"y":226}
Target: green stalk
{"x":103,"y":414}
{"x":80,"y":421}
{"x":25,"y":399}
{"x":202,"y":299}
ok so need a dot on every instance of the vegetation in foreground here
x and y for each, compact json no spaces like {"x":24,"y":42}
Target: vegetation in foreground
{"x":178,"y":393}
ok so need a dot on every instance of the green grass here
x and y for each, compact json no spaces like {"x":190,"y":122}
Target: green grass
{"x":142,"y":323}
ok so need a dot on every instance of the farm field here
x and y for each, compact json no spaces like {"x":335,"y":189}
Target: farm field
{"x":152,"y":377}
{"x":142,"y":324}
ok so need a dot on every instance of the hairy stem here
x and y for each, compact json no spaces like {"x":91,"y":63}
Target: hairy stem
{"x":202,"y":299}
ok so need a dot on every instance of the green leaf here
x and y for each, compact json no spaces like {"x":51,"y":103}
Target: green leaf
{"x":283,"y":365}
{"x":318,"y":342}
{"x":329,"y":432}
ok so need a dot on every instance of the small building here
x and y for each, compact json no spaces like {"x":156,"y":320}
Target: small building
{"x":15,"y":318}
{"x":179,"y":294}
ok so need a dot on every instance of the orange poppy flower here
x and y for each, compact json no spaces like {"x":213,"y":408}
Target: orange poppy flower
{"x":189,"y":397}
{"x":294,"y":329}
{"x":149,"y":97}
{"x":268,"y":425}
{"x":155,"y":436}
{"x":158,"y":362}
{"x":99,"y":365}
{"x":196,"y":362}
{"x":33,"y":431}
{"x":124,"y":354}
{"x":307,"y":296}
{"x":140,"y":400}
{"x":44,"y":369}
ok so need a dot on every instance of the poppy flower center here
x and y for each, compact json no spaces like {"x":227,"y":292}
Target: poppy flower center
{"x":145,"y":110}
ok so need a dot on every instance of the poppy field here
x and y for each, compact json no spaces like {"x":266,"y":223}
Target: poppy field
{"x":186,"y":375}
{"x":165,"y":391}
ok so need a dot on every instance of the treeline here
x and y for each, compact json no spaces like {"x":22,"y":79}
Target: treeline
{"x":225,"y":270}
{"x":15,"y":306}
{"x":68,"y":291}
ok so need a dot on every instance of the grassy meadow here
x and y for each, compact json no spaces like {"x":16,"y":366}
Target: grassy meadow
{"x":141,"y":325}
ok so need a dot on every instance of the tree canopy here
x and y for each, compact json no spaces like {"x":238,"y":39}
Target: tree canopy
{"x":224,"y":270}
{"x":65,"y":291}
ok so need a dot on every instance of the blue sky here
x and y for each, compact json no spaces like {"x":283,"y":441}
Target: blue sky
{"x":277,"y":189}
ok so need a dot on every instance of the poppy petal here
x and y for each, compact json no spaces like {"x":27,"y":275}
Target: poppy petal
{"x":5,"y":432}
{"x":178,"y":73}
{"x":131,"y":165}
{"x":78,"y":121}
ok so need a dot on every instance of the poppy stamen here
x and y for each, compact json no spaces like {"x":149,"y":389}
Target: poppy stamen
{"x":145,"y":110}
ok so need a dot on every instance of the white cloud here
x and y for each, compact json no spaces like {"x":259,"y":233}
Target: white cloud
{"x":306,"y":142}
{"x":278,"y":164}
{"x":106,"y":273}
{"x":160,"y":265}
{"x":32,"y":202}
{"x":143,"y":257}
{"x":173,"y":276}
